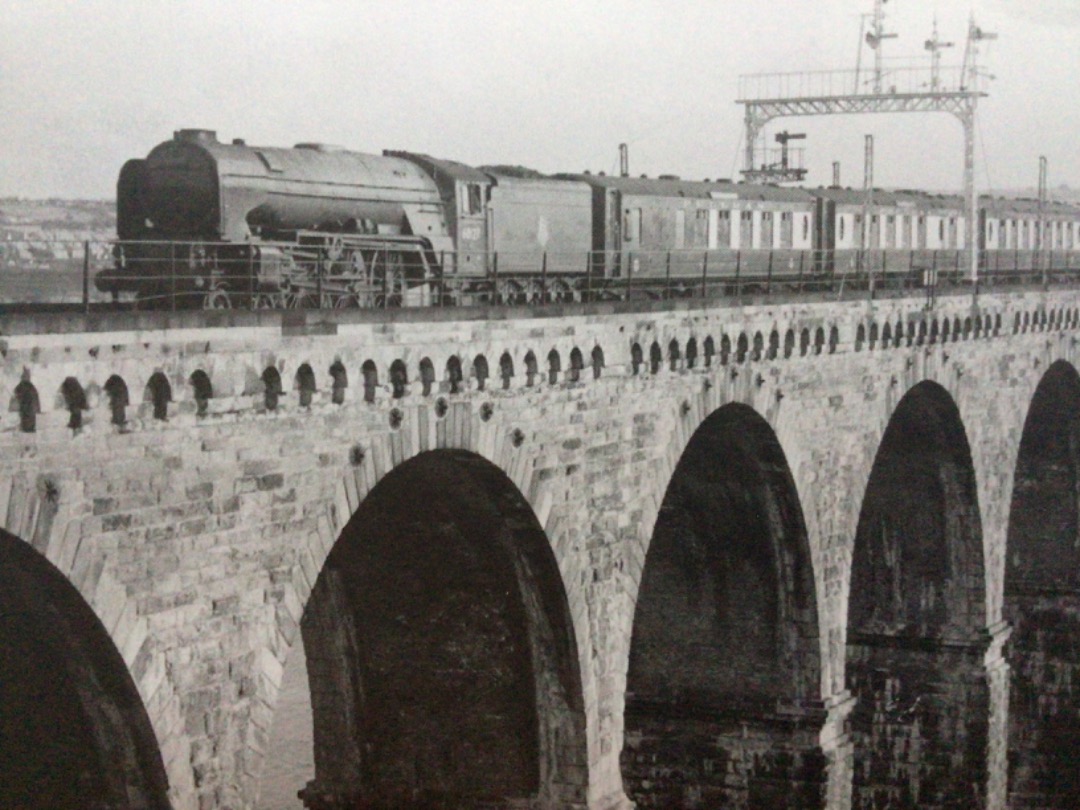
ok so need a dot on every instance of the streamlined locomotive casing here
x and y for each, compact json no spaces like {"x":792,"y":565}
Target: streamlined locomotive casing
{"x":194,"y":187}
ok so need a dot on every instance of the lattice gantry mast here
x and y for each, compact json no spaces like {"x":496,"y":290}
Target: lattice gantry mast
{"x":913,"y":88}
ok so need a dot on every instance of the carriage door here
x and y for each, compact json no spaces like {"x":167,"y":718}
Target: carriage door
{"x":473,"y":250}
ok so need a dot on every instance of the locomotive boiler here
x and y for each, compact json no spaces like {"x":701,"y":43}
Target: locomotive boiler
{"x":206,"y":221}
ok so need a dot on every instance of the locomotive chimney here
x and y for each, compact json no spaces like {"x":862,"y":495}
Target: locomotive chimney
{"x":624,"y":160}
{"x":836,"y":174}
{"x":195,"y":135}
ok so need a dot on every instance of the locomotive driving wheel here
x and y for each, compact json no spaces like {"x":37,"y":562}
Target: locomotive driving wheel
{"x":217,"y":298}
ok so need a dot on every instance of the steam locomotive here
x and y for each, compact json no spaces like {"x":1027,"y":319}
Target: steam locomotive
{"x":217,"y":225}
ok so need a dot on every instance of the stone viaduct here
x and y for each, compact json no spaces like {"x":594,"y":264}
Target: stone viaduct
{"x":784,"y":553}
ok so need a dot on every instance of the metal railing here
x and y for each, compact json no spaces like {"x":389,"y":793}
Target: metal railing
{"x":895,"y":80}
{"x":189,"y":275}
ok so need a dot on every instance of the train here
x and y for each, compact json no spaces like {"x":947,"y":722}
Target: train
{"x":218,"y":225}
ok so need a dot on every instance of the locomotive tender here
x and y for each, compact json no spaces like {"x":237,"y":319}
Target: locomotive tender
{"x":213,"y":224}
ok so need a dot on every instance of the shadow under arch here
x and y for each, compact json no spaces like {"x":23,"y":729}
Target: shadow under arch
{"x":1042,"y":598}
{"x":916,"y":639}
{"x":723,"y":686}
{"x":441,"y":655}
{"x":73,"y":729}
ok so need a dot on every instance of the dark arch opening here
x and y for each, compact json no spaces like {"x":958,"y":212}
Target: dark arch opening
{"x":73,"y":729}
{"x":673,"y":355}
{"x":201,"y":390}
{"x":725,"y":632}
{"x":742,"y":348}
{"x":480,"y":371}
{"x":758,"y":347}
{"x":159,"y":392}
{"x":271,"y":388}
{"x":691,"y":352}
{"x":399,"y":379}
{"x":440,"y":649}
{"x":886,"y":336}
{"x":636,"y":358}
{"x":916,"y":616}
{"x":804,"y":342}
{"x":789,"y":343}
{"x":71,"y":391}
{"x":506,"y":369}
{"x":725,"y":349}
{"x":577,"y":363}
{"x":1042,"y":598}
{"x":117,"y":392}
{"x":710,"y":350}
{"x":860,"y":337}
{"x":370,"y":372}
{"x":453,"y":374}
{"x":26,"y":403}
{"x":427,"y":376}
{"x":834,"y":339}
{"x":305,"y":384}
{"x":531,"y":368}
{"x":339,"y":382}
{"x":819,"y":340}
{"x":873,"y":339}
{"x":656,"y":358}
{"x":554,"y":366}
{"x":597,"y":362}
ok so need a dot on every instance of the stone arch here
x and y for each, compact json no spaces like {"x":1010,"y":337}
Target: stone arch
{"x":480,"y":371}
{"x":339,"y":377}
{"x":506,"y":369}
{"x":304,"y":384}
{"x":774,"y":345}
{"x":674,"y":355}
{"x":758,"y":346}
{"x":427,"y":376}
{"x":710,"y":350}
{"x":202,"y":391}
{"x":75,"y":730}
{"x":873,"y":338}
{"x":577,"y":363}
{"x":73,"y":399}
{"x":920,"y":332}
{"x":271,"y":380}
{"x":886,"y":336}
{"x":531,"y":368}
{"x":789,"y":343}
{"x":1042,"y":597}
{"x":916,"y":615}
{"x":899,"y":344}
{"x":116,"y":391}
{"x":957,"y":328}
{"x":691,"y":353}
{"x":977,"y":327}
{"x":941,"y":332}
{"x":554,"y":366}
{"x":727,"y":591}
{"x":656,"y":358}
{"x":370,"y":373}
{"x":597,"y":362}
{"x":636,"y":358}
{"x":441,"y":648}
{"x":819,"y":340}
{"x":860,"y":337}
{"x":997,"y":324}
{"x":834,"y":338}
{"x":453,"y":374}
{"x":159,"y":394}
{"x":725,"y":349}
{"x":966,"y":328}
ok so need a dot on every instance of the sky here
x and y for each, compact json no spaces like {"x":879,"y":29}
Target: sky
{"x":555,"y":85}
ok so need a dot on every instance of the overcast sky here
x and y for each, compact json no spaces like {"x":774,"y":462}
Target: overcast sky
{"x":551,"y":84}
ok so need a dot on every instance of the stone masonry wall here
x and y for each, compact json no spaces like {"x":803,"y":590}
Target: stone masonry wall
{"x":197,"y":539}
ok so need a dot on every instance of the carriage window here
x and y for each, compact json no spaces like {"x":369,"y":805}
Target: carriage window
{"x":842,"y":222}
{"x":632,"y":224}
{"x":473,"y":201}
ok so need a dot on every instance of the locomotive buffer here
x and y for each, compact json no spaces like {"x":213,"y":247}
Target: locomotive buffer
{"x":917,"y":88}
